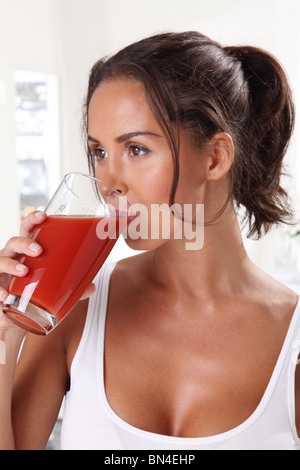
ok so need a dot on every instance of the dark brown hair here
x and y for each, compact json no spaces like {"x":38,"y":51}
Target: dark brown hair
{"x":196,"y":83}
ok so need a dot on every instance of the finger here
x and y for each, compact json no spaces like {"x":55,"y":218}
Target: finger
{"x":20,"y":245}
{"x":88,"y":292}
{"x":30,"y":221}
{"x":12,"y":266}
{"x":9,"y":267}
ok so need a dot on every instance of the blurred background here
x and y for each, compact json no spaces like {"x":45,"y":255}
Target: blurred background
{"x":46,"y":51}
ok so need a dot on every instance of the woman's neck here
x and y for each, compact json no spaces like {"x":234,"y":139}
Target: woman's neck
{"x":220,"y":265}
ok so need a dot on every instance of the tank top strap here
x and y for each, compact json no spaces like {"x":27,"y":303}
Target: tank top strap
{"x":278,"y":402}
{"x":98,"y":301}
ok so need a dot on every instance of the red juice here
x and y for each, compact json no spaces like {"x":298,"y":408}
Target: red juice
{"x":72,"y":255}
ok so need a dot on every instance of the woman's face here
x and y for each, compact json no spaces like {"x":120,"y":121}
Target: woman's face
{"x":132,"y":152}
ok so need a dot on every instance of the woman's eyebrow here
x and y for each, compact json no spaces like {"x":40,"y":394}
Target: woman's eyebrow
{"x":93,"y":140}
{"x":130,"y":135}
{"x":127,"y":136}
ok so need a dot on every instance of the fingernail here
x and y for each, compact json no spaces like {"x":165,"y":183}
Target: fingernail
{"x":34,"y":247}
{"x":38,"y":213}
{"x":20,"y":268}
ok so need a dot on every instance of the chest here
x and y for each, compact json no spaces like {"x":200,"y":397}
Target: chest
{"x":179,"y":376}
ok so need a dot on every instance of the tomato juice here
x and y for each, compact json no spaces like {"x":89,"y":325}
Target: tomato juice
{"x":72,"y":255}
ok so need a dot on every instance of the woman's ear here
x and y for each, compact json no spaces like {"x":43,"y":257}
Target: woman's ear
{"x":221,"y":155}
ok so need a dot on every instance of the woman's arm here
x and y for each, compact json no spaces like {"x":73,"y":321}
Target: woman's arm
{"x":39,"y":386}
{"x":11,"y":340}
{"x":32,"y":388}
{"x":31,"y":392}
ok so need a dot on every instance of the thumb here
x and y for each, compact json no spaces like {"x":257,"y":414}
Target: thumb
{"x":88,"y":292}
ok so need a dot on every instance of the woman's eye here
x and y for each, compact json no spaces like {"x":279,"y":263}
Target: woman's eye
{"x":137,"y":150}
{"x":98,"y":154}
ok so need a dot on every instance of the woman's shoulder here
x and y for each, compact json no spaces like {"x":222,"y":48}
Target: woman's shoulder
{"x":280,"y":299}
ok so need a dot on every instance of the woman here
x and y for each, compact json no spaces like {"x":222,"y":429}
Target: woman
{"x":177,"y":348}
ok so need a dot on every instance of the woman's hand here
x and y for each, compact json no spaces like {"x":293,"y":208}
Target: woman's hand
{"x":16,"y":246}
{"x":10,"y":265}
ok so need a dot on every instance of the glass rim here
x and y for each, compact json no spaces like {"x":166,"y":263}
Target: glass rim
{"x":91,"y":177}
{"x":94,"y":182}
{"x":87,"y":175}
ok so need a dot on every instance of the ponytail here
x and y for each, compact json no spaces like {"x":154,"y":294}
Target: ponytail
{"x":265,"y":137}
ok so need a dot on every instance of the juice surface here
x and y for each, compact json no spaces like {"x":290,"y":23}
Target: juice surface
{"x":72,"y":255}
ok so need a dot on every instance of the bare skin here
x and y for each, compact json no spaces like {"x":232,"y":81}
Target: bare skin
{"x":193,"y":336}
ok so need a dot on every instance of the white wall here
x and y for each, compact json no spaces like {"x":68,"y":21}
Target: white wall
{"x":66,"y":37}
{"x":28,"y":41}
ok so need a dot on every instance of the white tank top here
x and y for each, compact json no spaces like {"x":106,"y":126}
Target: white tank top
{"x":89,"y":423}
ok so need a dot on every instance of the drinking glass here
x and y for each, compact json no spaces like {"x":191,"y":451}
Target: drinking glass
{"x":85,"y":218}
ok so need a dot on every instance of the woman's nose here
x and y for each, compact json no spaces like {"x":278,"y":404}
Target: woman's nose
{"x":113,"y":191}
{"x":112,"y":175}
{"x":107,"y":190}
